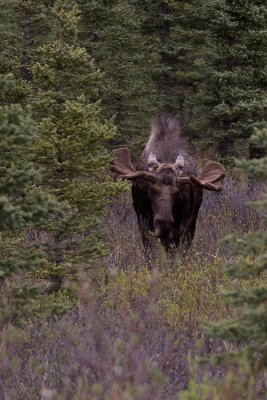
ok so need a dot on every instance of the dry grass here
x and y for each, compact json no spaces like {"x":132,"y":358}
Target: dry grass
{"x":132,"y":331}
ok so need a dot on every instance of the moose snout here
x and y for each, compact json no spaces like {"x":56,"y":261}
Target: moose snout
{"x":163,"y":229}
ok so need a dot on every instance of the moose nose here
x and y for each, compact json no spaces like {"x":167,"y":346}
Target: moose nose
{"x":163,"y":229}
{"x":163,"y":235}
{"x":158,"y":232}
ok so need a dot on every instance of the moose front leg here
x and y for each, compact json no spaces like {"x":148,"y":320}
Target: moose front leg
{"x":146,"y":229}
{"x":188,"y":223}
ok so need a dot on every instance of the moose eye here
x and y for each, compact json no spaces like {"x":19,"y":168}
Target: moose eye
{"x":180,"y":169}
{"x":151,"y":167}
{"x":154,"y":189}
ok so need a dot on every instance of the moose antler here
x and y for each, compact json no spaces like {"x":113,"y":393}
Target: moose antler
{"x":211,"y":173}
{"x":123,"y":166}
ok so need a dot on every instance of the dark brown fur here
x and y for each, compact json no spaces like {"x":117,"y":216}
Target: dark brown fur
{"x":168,"y":209}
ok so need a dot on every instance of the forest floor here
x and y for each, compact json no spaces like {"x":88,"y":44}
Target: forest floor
{"x":136,"y":333}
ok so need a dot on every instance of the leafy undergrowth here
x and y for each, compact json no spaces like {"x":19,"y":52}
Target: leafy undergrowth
{"x":135,"y":333}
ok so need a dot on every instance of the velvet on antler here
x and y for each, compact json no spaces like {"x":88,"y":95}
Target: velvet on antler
{"x":211,"y":172}
{"x":123,"y":166}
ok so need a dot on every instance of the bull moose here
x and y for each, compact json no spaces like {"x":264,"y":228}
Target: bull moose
{"x":167,"y":184}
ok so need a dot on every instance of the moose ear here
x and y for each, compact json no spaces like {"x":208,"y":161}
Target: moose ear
{"x":152,"y":162}
{"x":211,"y":173}
{"x":180,"y":163}
{"x":123,"y":166}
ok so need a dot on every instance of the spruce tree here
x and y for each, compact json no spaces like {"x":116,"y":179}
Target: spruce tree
{"x":232,"y":99}
{"x":24,"y":26}
{"x":33,"y":22}
{"x":148,"y":52}
{"x":22,"y":204}
{"x":9,"y":55}
{"x":11,"y":51}
{"x":71,"y":144}
{"x":173,"y":40}
{"x":250,"y":262}
{"x":112,"y":34}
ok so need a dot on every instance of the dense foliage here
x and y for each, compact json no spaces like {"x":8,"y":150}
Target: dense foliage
{"x":77,"y":79}
{"x":70,"y":142}
{"x":250,"y":261}
{"x":22,"y":203}
{"x":232,"y":99}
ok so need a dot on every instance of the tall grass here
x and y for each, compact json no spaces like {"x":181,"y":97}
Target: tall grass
{"x":131,"y":333}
